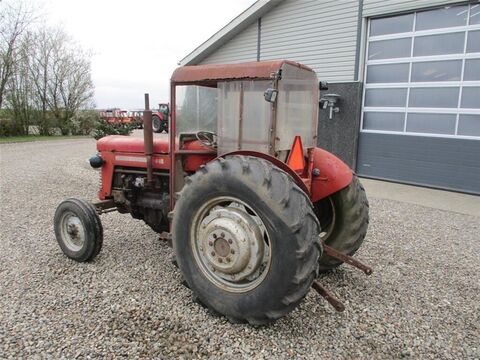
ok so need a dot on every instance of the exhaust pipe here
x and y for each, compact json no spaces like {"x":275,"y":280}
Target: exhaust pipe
{"x":148,"y":140}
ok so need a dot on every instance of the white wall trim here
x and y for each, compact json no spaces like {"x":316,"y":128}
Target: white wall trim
{"x":438,"y":31}
{"x":432,"y":84}
{"x":421,"y":134}
{"x":416,"y":110}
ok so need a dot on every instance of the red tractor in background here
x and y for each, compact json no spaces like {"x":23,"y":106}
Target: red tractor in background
{"x":253,"y":209}
{"x":116,"y":116}
{"x":160,"y":118}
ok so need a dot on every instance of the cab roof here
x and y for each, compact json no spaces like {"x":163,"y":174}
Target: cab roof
{"x":212,"y":73}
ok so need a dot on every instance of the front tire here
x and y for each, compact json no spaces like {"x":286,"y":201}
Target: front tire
{"x":344,"y":219}
{"x":245,"y":198}
{"x":78,"y":229}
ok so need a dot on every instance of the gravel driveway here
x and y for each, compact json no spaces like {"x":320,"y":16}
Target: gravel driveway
{"x":421,"y":302}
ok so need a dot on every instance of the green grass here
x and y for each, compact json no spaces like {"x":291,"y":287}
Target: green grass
{"x":28,"y":138}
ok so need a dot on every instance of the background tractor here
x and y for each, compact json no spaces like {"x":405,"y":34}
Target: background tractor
{"x":160,"y":118}
{"x":253,"y":209}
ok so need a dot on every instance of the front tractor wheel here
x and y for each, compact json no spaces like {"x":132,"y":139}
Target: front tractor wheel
{"x":78,"y":229}
{"x":344,"y":220}
{"x":246,"y":239}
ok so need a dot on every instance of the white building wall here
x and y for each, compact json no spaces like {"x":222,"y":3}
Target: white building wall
{"x":319,"y":34}
{"x":241,"y":48}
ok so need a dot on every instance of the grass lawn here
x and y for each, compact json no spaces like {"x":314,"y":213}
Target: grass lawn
{"x":15,"y":139}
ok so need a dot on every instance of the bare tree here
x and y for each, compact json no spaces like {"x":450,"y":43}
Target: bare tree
{"x":70,"y":86}
{"x":43,"y":55}
{"x":76,"y":90}
{"x":21,"y":93}
{"x":15,"y":18}
{"x":45,"y":77}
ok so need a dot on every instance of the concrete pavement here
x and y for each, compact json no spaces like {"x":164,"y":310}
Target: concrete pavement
{"x":433,"y":198}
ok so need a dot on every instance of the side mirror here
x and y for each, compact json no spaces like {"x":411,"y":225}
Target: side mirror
{"x":323,"y":85}
{"x":270,"y":95}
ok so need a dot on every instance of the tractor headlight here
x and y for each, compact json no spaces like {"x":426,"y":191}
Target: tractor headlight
{"x":96,"y":161}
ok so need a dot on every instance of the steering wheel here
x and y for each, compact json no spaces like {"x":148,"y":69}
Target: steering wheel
{"x":207,"y":138}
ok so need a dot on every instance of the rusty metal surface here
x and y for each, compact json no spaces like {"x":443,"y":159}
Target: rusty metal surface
{"x":240,"y":118}
{"x":148,"y":139}
{"x":172,"y":133}
{"x":104,"y":206}
{"x":215,"y":72}
{"x":273,"y":114}
{"x":347,"y":259}
{"x":332,"y":300}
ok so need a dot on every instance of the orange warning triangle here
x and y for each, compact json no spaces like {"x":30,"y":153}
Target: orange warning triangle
{"x":296,"y":160}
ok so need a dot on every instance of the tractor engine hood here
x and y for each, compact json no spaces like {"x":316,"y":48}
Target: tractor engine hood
{"x":129,"y":144}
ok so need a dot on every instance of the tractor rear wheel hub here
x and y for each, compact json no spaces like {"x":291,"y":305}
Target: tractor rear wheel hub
{"x":231,"y":243}
{"x":221,"y":247}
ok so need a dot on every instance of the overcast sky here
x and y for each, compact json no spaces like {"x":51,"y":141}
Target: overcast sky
{"x":137,"y":44}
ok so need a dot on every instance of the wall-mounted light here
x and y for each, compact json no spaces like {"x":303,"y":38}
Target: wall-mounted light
{"x":329,"y":101}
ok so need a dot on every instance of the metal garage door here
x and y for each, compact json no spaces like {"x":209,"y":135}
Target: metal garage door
{"x":421,"y":103}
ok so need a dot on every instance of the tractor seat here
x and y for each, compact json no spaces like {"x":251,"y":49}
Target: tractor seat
{"x":129,"y":144}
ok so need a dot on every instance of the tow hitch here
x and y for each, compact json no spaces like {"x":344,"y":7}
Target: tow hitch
{"x":325,"y":293}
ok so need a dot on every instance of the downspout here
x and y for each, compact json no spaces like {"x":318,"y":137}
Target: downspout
{"x":357,"y":73}
{"x":259,"y":37}
{"x":359,"y":40}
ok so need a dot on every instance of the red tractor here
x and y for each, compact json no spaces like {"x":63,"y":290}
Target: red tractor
{"x":117,"y":116}
{"x":253,"y":208}
{"x":160,"y":118}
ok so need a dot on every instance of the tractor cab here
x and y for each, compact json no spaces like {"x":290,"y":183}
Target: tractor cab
{"x":257,"y":108}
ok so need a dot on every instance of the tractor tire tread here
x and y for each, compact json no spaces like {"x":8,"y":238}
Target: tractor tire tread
{"x":93,"y":221}
{"x":297,"y":213}
{"x":350,"y":234}
{"x":92,"y":213}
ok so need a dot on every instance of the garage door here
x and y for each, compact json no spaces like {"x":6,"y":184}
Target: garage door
{"x":421,"y":103}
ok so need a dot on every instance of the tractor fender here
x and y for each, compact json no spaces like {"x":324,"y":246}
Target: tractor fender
{"x":333,"y":175}
{"x":275,"y":162}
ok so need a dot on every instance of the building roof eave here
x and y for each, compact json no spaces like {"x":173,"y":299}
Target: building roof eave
{"x":235,"y":26}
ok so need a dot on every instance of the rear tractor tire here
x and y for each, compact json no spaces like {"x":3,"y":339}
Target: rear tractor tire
{"x":164,"y":126}
{"x":246,"y":239}
{"x":78,"y":229}
{"x":156,"y":124}
{"x":344,"y":220}
{"x":159,"y":125}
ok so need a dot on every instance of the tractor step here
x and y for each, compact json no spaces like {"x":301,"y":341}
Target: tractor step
{"x":347,"y":259}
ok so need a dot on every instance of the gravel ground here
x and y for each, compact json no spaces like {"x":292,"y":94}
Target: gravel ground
{"x":421,"y":302}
